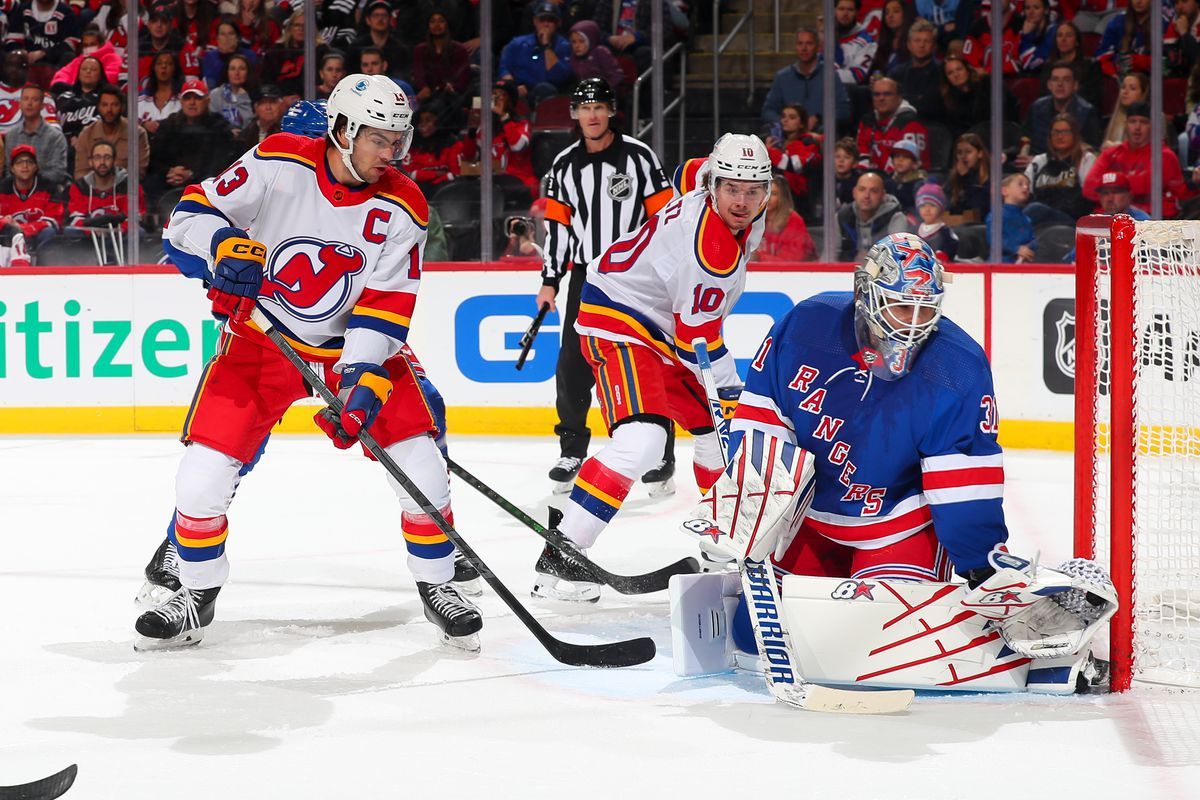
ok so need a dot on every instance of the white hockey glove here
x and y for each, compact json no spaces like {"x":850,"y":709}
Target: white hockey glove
{"x":751,"y":505}
{"x":1064,"y":623}
{"x":1043,"y":612}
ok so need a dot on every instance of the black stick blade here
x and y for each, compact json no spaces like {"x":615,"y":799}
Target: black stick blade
{"x":45,"y":789}
{"x":615,"y":654}
{"x":655,"y":581}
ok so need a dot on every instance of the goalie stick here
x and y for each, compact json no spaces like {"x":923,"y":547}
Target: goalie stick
{"x":613,"y":654}
{"x":531,"y":334}
{"x":45,"y":789}
{"x":655,"y":581}
{"x":780,"y":669}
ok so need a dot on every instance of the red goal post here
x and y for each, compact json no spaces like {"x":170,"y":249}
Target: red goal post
{"x":1137,"y":437}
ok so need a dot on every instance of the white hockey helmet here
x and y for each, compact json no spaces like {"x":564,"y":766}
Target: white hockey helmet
{"x":372,"y":101}
{"x":738,"y":157}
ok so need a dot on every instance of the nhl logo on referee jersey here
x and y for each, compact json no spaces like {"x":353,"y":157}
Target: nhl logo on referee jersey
{"x":620,"y":187}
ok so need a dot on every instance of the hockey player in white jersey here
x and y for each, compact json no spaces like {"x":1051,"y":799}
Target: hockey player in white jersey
{"x":327,"y":238}
{"x":651,"y":294}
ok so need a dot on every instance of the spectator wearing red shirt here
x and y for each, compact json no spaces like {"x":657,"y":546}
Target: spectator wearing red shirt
{"x":511,"y":142}
{"x":796,"y":153}
{"x":256,"y":29}
{"x":34,"y":206}
{"x":786,"y":237}
{"x":435,"y":154}
{"x":1132,"y":159}
{"x":196,"y":23}
{"x":892,"y":120}
{"x":101,"y":197}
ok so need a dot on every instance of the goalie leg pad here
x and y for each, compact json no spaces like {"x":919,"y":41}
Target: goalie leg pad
{"x":702,"y":607}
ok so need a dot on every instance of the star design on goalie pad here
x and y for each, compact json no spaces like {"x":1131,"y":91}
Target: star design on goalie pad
{"x":863,"y":589}
{"x":1009,"y":597}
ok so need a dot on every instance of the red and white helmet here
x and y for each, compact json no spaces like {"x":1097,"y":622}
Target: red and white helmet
{"x":738,"y":157}
{"x":372,"y":101}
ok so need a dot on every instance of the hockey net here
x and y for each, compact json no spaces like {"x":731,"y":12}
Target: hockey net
{"x":1137,"y":437}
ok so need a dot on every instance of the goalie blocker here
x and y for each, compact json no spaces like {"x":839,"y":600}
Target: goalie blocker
{"x":1023,"y":628}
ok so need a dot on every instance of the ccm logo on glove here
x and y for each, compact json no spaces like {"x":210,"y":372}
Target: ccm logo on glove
{"x":364,"y":390}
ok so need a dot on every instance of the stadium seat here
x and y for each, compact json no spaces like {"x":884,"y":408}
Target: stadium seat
{"x":1054,"y":242}
{"x":972,"y":242}
{"x":547,"y":145}
{"x":629,"y":67}
{"x":941,"y":147}
{"x":1109,"y":89}
{"x":1175,"y":96}
{"x":66,"y":251}
{"x":458,"y":204}
{"x":554,"y":114}
{"x":512,"y":194}
{"x":1026,"y":90}
{"x":1089,"y":42}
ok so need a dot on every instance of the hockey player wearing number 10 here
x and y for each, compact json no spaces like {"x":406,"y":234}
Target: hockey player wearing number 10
{"x":645,"y":301}
{"x":327,"y":238}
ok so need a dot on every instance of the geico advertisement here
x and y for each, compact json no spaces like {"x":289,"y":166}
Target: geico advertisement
{"x":142,"y":340}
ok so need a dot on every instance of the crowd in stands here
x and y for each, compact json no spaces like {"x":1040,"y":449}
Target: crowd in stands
{"x":911,"y":133}
{"x":914,"y":115}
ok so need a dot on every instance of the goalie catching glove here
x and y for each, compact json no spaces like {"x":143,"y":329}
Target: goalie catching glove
{"x":1043,"y":612}
{"x":768,"y":481}
{"x":363,"y":390}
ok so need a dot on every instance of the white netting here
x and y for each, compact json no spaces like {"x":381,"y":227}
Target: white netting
{"x":1166,"y":402}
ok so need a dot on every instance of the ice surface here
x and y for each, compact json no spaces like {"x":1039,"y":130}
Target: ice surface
{"x":321,"y":679}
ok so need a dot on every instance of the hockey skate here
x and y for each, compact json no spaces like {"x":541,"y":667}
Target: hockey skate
{"x":457,"y":619}
{"x":561,"y":577}
{"x":660,"y":481}
{"x":162,"y":577}
{"x":466,"y":577}
{"x":563,"y":473}
{"x":178,"y":622}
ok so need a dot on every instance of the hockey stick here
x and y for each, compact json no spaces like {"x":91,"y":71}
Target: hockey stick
{"x":771,"y":634}
{"x":614,"y":654}
{"x":45,"y":789}
{"x":655,"y":581}
{"x":531,"y":334}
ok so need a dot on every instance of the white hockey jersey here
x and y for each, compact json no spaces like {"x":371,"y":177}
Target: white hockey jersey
{"x":672,"y":280}
{"x":343,"y":263}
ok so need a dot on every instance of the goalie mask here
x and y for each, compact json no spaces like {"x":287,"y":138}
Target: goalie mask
{"x":897,"y":303}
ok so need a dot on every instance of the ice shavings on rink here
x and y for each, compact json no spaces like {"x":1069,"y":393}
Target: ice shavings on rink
{"x":320,"y":677}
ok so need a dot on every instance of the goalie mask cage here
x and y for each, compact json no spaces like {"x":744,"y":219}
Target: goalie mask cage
{"x":1137,"y":437}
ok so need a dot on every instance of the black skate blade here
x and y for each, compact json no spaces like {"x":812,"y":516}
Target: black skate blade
{"x":46,"y":789}
{"x":655,"y":581}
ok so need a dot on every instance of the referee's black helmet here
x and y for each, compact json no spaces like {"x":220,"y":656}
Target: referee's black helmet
{"x":592,"y":90}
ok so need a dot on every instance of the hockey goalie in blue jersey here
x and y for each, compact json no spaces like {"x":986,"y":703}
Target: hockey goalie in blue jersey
{"x":895,"y":403}
{"x":889,"y":479}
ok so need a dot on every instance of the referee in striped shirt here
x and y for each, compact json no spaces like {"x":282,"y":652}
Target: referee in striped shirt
{"x":601,"y":187}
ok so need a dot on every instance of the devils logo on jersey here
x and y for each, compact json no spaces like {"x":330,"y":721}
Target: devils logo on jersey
{"x":311,"y":278}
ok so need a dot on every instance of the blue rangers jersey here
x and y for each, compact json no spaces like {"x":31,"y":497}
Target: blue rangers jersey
{"x":891,"y":457}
